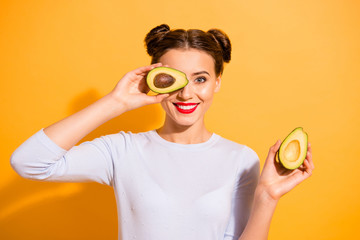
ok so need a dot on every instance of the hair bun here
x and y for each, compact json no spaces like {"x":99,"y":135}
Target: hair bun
{"x":223,"y":40}
{"x":154,"y":37}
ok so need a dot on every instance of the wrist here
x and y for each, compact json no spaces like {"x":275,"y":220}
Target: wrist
{"x":262,"y":212}
{"x":114,"y":105}
{"x":262,"y":196}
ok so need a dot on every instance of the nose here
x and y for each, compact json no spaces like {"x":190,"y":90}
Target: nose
{"x":186,"y":92}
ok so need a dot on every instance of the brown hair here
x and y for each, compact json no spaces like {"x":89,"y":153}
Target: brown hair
{"x":215,"y":42}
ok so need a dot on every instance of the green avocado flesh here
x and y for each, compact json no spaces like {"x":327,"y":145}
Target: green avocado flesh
{"x":293,"y":149}
{"x":165,"y":80}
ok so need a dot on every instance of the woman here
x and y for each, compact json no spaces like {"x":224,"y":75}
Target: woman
{"x":177,"y":182}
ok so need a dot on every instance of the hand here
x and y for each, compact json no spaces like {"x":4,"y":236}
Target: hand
{"x":131,"y":90}
{"x":276,"y":180}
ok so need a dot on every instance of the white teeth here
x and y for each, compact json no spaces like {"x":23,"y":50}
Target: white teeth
{"x":186,"y":107}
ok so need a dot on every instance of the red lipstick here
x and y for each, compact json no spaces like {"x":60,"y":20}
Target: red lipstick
{"x":186,"y":108}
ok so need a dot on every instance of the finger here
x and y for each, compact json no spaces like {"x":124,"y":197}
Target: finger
{"x":161,"y":97}
{"x":309,"y":158}
{"x":275,"y":147}
{"x":146,"y":69}
{"x":157,"y":98}
{"x":309,"y":155}
{"x":308,"y":161}
{"x":307,"y":167}
{"x":155,"y":65}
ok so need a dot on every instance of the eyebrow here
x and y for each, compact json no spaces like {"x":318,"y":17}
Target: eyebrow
{"x":201,"y":72}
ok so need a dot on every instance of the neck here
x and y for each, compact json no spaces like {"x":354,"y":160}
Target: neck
{"x":196,"y":133}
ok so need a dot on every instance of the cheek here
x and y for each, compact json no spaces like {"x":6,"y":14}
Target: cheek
{"x":165,"y":105}
{"x":206,"y":93}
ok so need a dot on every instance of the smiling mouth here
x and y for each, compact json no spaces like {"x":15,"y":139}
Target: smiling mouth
{"x":186,"y":108}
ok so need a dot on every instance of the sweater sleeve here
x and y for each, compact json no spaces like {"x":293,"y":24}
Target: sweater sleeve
{"x":39,"y":158}
{"x":243,"y":194}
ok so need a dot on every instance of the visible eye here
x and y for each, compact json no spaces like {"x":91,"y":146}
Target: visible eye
{"x":200,"y":80}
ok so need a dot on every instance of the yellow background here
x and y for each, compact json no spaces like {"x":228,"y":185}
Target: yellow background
{"x":294,"y":63}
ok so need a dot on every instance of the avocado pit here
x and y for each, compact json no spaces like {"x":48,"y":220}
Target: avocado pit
{"x":163,"y":80}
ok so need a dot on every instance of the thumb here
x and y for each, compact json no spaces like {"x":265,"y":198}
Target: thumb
{"x":158,"y":98}
{"x":272,"y":152}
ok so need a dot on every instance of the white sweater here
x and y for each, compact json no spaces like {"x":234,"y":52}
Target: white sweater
{"x":164,"y":190}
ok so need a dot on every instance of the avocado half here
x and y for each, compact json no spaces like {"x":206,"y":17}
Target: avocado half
{"x":165,"y":80}
{"x":293,"y":149}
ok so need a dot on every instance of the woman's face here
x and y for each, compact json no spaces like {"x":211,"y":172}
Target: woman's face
{"x":188,"y":105}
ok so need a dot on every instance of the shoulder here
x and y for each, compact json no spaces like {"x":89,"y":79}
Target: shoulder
{"x":247,"y":162}
{"x":127,"y":138}
{"x":230,"y":145}
{"x":243,"y":153}
{"x":120,"y":143}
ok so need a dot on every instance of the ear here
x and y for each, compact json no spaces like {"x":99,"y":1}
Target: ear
{"x":218,"y":83}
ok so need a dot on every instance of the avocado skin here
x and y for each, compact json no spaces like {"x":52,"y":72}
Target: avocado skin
{"x":180,"y":79}
{"x":303,"y":150}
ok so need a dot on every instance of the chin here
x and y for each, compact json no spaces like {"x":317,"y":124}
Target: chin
{"x":184,"y":121}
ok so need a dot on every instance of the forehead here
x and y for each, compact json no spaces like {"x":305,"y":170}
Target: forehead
{"x":189,"y":60}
